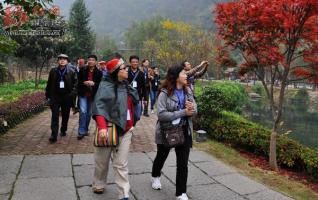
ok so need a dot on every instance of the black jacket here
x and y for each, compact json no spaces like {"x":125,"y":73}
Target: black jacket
{"x":147,"y":80}
{"x":83,"y":76}
{"x":140,"y":78}
{"x":70,"y":81}
{"x":155,"y":82}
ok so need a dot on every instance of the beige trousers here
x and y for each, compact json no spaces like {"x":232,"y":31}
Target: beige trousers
{"x":119,"y":157}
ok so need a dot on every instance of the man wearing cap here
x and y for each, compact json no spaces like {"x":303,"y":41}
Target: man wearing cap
{"x":60,"y":90}
{"x":102,"y":67}
{"x":89,"y":78}
{"x":80,"y":64}
{"x":114,"y":102}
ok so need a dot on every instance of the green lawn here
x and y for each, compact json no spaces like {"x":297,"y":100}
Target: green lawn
{"x":10,"y":92}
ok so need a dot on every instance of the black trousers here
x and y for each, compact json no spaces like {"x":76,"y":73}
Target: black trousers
{"x":182,"y":154}
{"x":64,"y":104}
{"x":146,"y":100}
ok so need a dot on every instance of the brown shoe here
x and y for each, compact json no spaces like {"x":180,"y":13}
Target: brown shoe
{"x":98,"y":190}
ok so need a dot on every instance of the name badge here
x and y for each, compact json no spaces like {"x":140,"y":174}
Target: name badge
{"x":156,"y":83}
{"x":176,"y":121}
{"x":134,"y":83}
{"x":62,"y":85}
{"x":128,"y":115}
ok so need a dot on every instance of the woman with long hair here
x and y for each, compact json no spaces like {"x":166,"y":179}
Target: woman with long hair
{"x":114,"y":102}
{"x":175,"y":104}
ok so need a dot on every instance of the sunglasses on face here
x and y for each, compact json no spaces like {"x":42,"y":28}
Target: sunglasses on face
{"x":124,"y":68}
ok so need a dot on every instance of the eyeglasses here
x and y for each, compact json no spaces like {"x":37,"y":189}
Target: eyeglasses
{"x":124,"y":68}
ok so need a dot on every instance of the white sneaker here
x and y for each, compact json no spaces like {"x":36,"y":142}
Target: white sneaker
{"x":152,"y":112}
{"x":155,"y":183}
{"x":183,"y":197}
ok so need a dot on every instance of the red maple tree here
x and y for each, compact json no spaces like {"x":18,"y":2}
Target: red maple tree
{"x":16,"y":16}
{"x":273,"y":36}
{"x":223,"y":60}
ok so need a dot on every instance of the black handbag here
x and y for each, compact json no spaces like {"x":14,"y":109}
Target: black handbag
{"x":173,"y":134}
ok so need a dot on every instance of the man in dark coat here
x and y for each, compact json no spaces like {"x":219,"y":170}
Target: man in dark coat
{"x":136,"y":79}
{"x":60,"y":90}
{"x":89,"y":78}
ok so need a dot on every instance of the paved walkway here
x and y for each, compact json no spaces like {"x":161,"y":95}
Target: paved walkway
{"x":31,"y":137}
{"x":32,"y":169}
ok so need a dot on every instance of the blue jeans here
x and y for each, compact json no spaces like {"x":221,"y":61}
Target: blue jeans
{"x":85,"y":105}
{"x":153,"y":96}
{"x":138,"y":109}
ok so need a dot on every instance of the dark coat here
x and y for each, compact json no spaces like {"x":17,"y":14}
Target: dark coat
{"x":155,"y":82}
{"x":140,"y":82}
{"x":147,"y":80}
{"x":70,"y":81}
{"x":83,"y":76}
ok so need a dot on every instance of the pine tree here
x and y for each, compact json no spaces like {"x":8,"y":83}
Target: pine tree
{"x":84,"y":37}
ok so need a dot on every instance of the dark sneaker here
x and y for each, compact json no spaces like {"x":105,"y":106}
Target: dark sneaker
{"x":75,"y":110}
{"x":146,"y":114}
{"x":52,"y":139}
{"x":63,"y":134}
{"x":79,"y":137}
{"x":86,"y":134}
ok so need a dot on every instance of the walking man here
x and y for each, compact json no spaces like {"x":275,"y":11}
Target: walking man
{"x":145,"y":67}
{"x":89,"y":78}
{"x":136,"y":79}
{"x":60,"y":91}
{"x":80,"y":64}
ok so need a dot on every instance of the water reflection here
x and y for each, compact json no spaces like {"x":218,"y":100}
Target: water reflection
{"x":299,"y":116}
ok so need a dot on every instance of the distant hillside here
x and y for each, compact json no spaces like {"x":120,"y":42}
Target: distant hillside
{"x":112,"y":17}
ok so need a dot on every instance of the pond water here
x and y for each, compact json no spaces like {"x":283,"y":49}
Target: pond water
{"x":300,"y":117}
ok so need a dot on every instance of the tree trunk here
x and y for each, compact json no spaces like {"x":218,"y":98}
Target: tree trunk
{"x":36,"y":77}
{"x":272,"y":151}
{"x":41,"y":69}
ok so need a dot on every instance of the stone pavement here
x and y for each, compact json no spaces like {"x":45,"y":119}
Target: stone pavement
{"x":31,"y":137}
{"x":32,"y":169}
{"x":69,"y":177}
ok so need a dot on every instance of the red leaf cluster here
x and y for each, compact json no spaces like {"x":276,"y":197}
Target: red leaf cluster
{"x":224,"y":59}
{"x":271,"y":32}
{"x":14,"y":16}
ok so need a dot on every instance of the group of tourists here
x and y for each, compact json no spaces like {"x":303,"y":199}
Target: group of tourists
{"x":115,"y":95}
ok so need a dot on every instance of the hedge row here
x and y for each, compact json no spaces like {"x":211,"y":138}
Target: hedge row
{"x":218,"y":105}
{"x":13,"y":113}
{"x":236,"y":130}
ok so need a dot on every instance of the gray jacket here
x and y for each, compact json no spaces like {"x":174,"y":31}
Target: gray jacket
{"x":105,"y":105}
{"x":168,"y":111}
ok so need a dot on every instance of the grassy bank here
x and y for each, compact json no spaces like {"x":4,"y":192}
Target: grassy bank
{"x":11,"y":92}
{"x":272,"y":179}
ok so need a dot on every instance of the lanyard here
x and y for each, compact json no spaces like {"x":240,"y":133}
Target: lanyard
{"x":62,"y":74}
{"x":146,"y":73}
{"x":134,"y":74}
